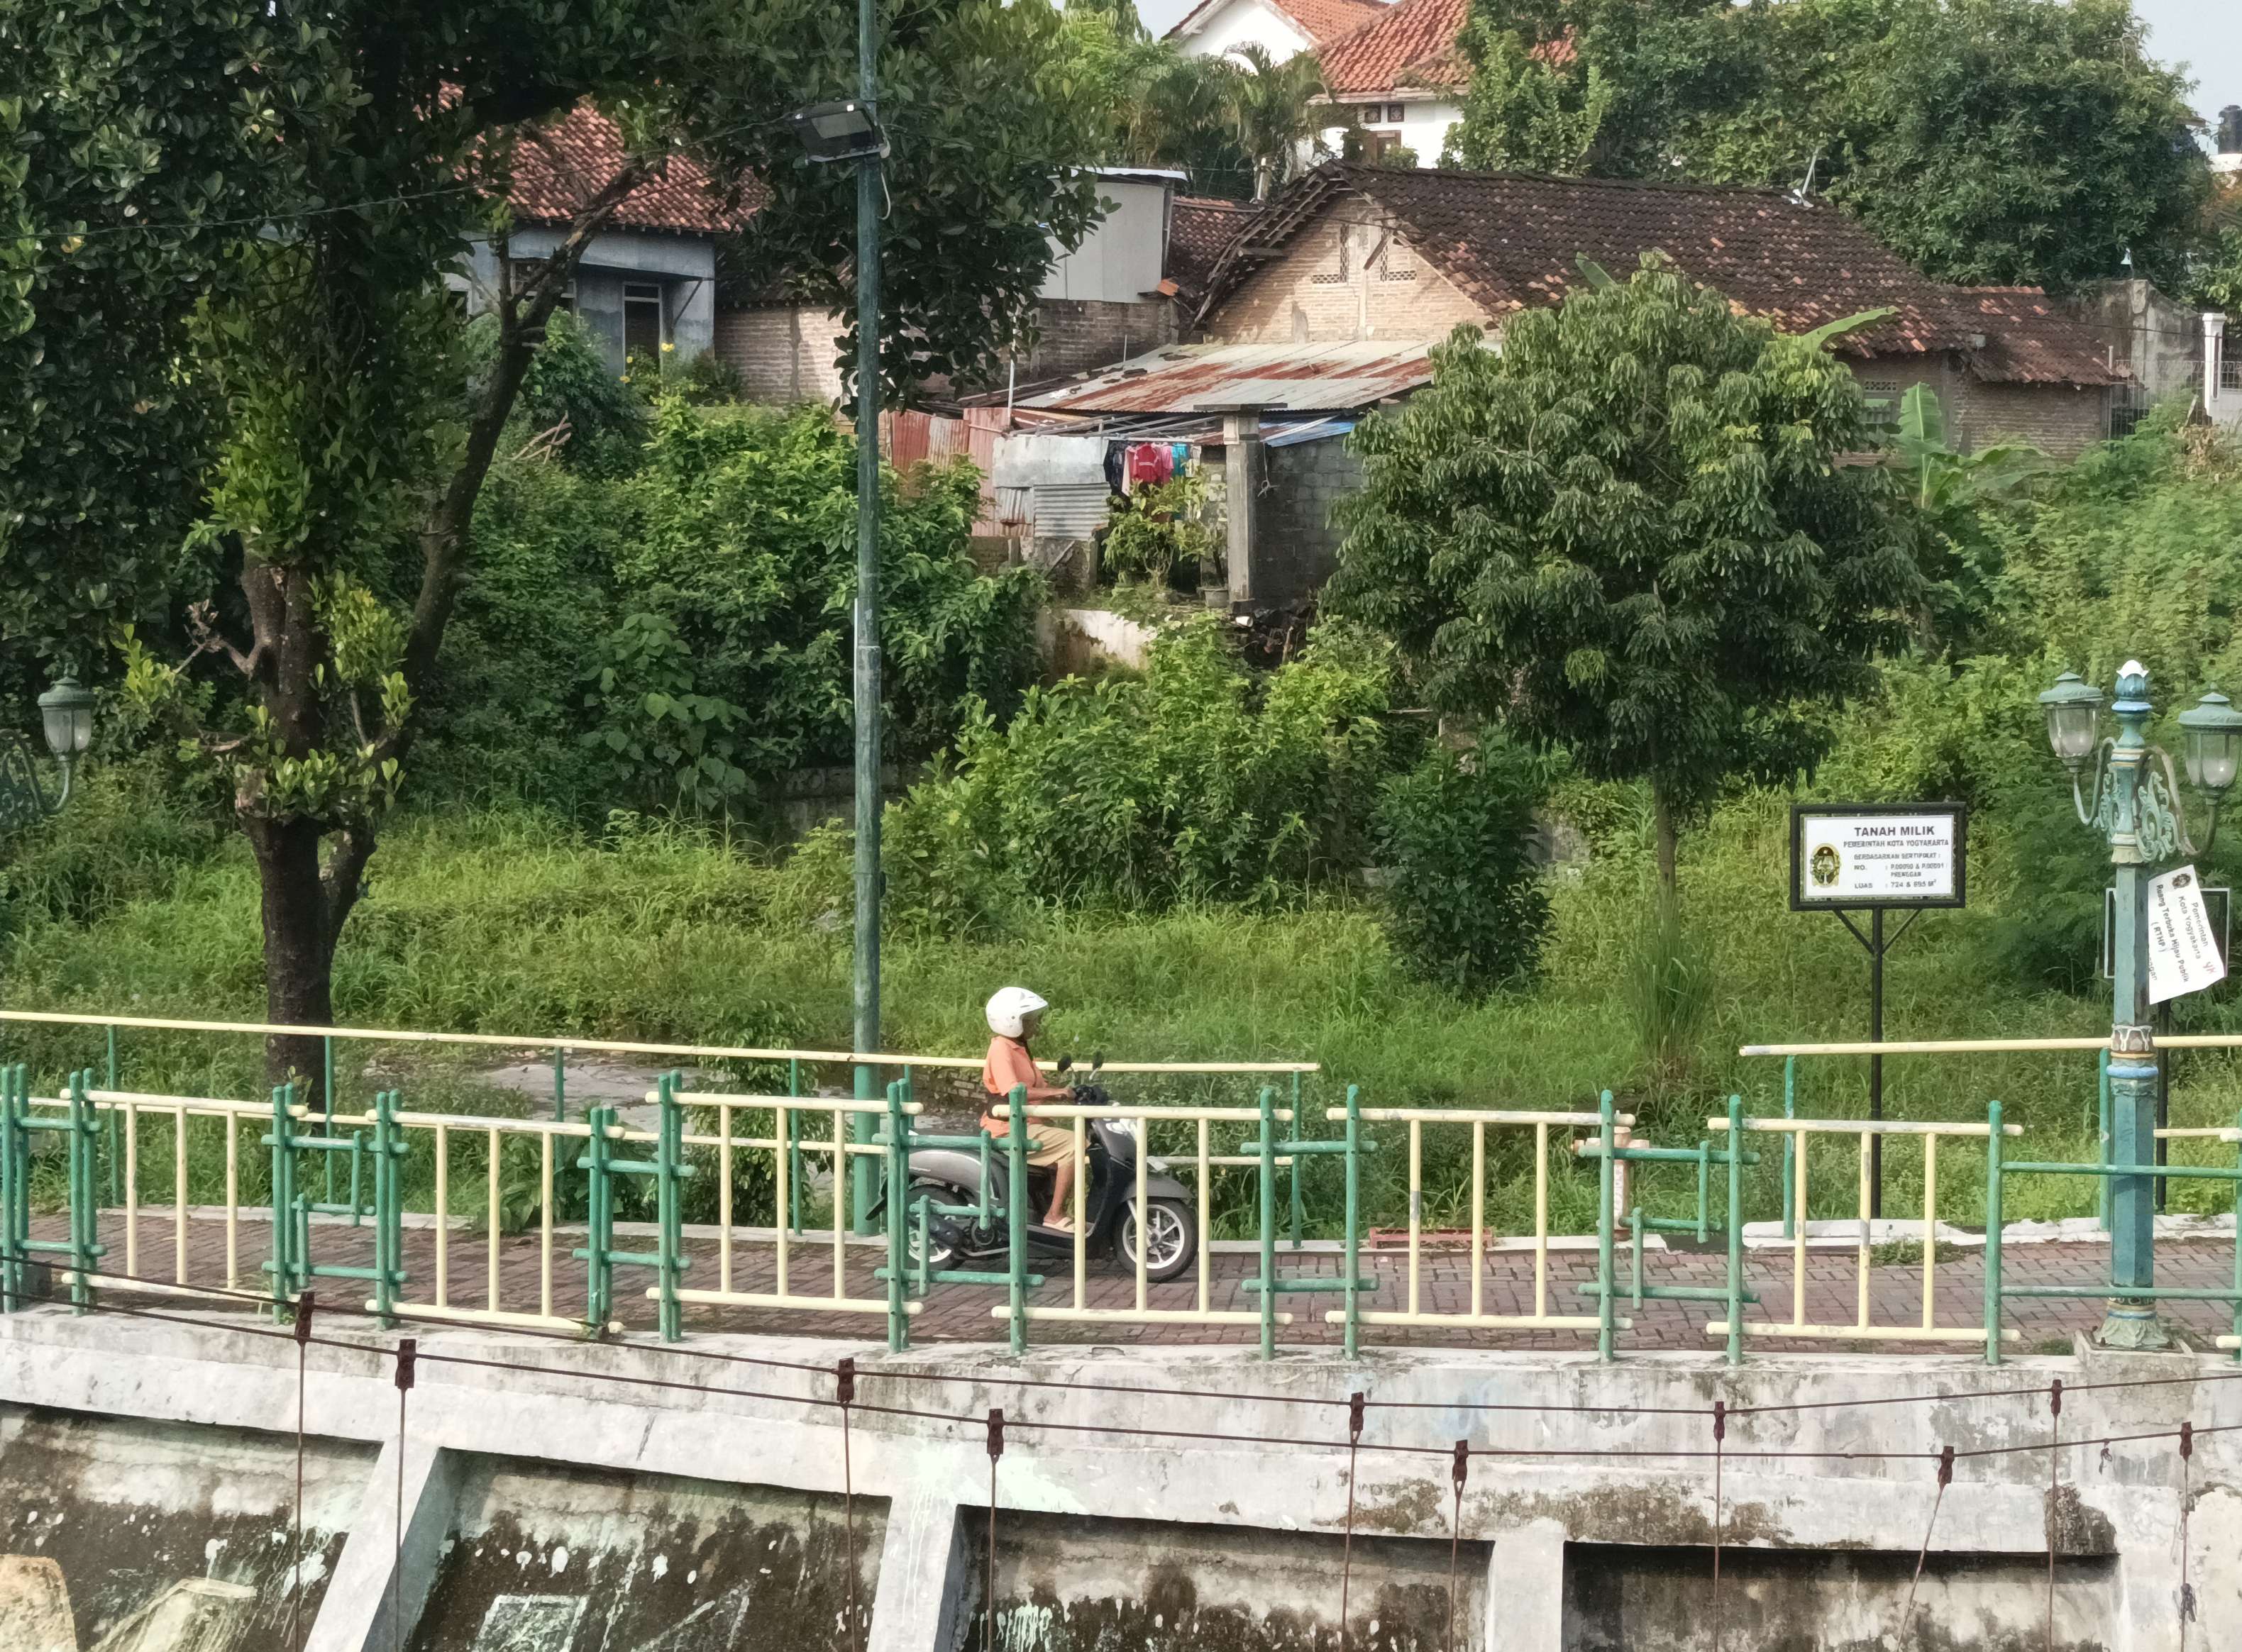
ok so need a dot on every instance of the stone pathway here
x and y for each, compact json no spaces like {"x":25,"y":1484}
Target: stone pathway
{"x":963,"y":1313}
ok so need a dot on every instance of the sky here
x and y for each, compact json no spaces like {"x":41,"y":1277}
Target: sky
{"x":2205,"y":34}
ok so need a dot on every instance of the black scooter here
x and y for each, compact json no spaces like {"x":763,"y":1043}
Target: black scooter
{"x":981,"y":1238}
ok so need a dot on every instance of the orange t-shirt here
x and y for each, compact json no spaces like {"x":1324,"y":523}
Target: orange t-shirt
{"x":1009,"y":1064}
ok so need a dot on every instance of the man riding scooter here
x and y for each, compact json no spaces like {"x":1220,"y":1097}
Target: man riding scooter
{"x":1014,"y":1013}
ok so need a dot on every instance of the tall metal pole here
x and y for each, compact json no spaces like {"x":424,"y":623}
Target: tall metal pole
{"x":2131,"y":1323}
{"x":866,"y":984}
{"x":1877,"y":1062}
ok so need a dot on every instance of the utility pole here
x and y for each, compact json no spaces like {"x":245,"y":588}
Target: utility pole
{"x":866,"y":982}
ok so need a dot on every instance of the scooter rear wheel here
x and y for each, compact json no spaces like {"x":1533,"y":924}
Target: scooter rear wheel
{"x":1174,"y":1241}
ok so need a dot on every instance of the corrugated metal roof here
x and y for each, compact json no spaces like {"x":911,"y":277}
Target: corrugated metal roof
{"x":1183,"y":378}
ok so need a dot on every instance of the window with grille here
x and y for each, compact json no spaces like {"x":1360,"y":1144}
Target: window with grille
{"x":1883,"y":396}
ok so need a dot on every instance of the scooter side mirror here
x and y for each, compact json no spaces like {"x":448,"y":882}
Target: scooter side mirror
{"x":1097,"y":1061}
{"x":1065,"y":1062}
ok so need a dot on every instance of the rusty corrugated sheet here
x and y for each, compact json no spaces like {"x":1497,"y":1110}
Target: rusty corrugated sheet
{"x":1184,"y":378}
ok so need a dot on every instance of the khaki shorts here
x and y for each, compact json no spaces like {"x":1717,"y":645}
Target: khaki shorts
{"x":1048,"y":1144}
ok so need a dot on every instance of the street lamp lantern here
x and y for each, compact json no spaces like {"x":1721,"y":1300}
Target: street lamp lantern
{"x":2214,"y":745}
{"x":67,"y":711}
{"x":2074,"y":713}
{"x":2125,"y":788}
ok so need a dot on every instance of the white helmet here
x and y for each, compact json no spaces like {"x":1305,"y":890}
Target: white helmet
{"x":1009,"y":1009}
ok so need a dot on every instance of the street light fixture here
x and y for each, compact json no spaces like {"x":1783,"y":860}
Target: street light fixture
{"x":844,"y":130}
{"x":67,"y":712}
{"x":2133,"y":800}
{"x":848,"y":131}
{"x":2214,"y":749}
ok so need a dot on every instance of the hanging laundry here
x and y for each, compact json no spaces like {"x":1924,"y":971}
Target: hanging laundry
{"x":1150,"y":464}
{"x":1180,"y":452}
{"x":1116,"y":478}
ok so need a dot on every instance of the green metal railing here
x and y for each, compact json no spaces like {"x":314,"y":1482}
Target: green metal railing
{"x":72,"y":1205}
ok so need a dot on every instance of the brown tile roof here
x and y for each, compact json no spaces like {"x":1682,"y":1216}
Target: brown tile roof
{"x":1413,"y":47}
{"x":1513,"y":239}
{"x":1200,"y":230}
{"x":1322,"y":21}
{"x":557,"y":169}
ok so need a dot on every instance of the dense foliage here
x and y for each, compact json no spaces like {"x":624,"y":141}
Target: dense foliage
{"x":1988,"y":140}
{"x":225,"y":242}
{"x":690,"y":618}
{"x":1623,"y":535}
{"x":1454,"y":838}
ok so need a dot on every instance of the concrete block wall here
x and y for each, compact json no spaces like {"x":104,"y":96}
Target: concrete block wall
{"x":574,"y":1500}
{"x":1076,"y":335}
{"x":783,"y":353}
{"x":1298,"y":541}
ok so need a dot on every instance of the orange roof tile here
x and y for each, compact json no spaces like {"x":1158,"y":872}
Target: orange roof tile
{"x":1322,"y":21}
{"x":1413,"y":47}
{"x":559,"y":168}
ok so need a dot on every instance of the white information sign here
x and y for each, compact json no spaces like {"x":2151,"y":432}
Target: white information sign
{"x":1878,"y":857}
{"x":2184,"y":953}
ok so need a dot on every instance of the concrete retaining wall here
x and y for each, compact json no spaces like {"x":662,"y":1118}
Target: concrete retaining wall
{"x":1106,"y":1538}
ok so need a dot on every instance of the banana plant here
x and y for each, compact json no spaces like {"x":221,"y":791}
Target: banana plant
{"x":1945,"y":481}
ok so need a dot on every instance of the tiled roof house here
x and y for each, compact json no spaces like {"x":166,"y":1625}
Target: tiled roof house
{"x":649,"y":280}
{"x":1357,"y":251}
{"x":1282,"y":28}
{"x":1402,"y":77}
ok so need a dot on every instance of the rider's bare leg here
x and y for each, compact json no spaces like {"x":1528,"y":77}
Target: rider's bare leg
{"x":1060,"y":1188}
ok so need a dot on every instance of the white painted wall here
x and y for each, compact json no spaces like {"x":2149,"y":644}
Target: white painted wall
{"x":1246,"y":23}
{"x":1424,"y":126}
{"x":1125,"y":256}
{"x":2224,"y":407}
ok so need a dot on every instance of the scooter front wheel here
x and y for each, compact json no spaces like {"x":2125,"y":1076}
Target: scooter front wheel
{"x":1174,"y":1242}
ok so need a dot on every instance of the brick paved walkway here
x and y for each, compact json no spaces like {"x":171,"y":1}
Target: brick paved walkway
{"x":961,"y":1313}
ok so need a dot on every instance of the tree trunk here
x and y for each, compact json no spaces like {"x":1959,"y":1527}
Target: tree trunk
{"x":298,"y":950}
{"x":1668,"y":835}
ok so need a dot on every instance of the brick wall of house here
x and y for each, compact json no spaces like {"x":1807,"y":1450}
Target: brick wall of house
{"x":2056,"y":418}
{"x":783,"y":352}
{"x":1341,"y":281}
{"x":1298,"y":547}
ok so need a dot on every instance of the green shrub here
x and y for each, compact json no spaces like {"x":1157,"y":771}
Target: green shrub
{"x":674,"y":636}
{"x":1464,"y":905}
{"x":1197,"y":781}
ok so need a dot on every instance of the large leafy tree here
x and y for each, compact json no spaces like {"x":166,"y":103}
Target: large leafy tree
{"x":1990,"y":141}
{"x":1625,"y":534}
{"x":230,"y":356}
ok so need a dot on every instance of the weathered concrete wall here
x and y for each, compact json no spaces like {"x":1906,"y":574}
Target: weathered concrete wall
{"x":140,"y":1536}
{"x":1621,"y":1599}
{"x":540,"y":1557}
{"x":1080,"y":1585}
{"x":1823,"y":1498}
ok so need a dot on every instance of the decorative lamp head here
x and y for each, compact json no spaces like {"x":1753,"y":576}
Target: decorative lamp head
{"x":2214,"y":728}
{"x":67,"y":711}
{"x":2133,"y":681}
{"x":2073,"y":708}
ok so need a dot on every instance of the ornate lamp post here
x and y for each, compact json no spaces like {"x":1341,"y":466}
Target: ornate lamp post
{"x":67,"y":712}
{"x":2133,"y":800}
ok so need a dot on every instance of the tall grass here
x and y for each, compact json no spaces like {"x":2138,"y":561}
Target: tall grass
{"x":513,"y":922}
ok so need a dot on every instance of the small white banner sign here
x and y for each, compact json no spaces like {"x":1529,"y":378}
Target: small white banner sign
{"x":2184,"y":953}
{"x":1879,"y":858}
